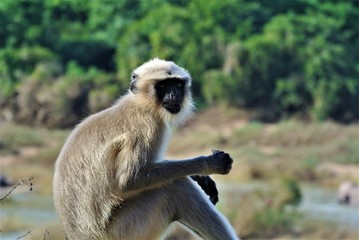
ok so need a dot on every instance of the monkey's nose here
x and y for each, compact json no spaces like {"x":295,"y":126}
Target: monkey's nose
{"x":172,"y":95}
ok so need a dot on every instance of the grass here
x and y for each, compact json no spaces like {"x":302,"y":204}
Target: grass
{"x":13,"y":224}
{"x":13,"y":137}
{"x":54,"y":232}
{"x":261,"y":212}
{"x":266,"y":150}
{"x":42,"y":176}
{"x":30,"y":152}
{"x":318,"y":230}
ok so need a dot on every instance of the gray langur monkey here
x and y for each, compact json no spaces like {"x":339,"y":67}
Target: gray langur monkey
{"x":111,"y":181}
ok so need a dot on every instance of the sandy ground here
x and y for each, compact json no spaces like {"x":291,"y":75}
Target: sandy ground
{"x":23,"y":152}
{"x":336,"y":169}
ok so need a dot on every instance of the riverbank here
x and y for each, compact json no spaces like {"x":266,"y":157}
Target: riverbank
{"x":313,"y":218}
{"x":302,"y":153}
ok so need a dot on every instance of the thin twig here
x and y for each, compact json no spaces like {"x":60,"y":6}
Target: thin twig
{"x":20,"y":182}
{"x":46,"y":232}
{"x":29,"y":232}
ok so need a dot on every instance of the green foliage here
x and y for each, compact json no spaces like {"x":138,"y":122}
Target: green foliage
{"x":12,"y":138}
{"x":88,"y":53}
{"x":271,"y":221}
{"x":291,"y":190}
{"x":15,"y":63}
{"x":249,"y":132}
{"x":219,"y":87}
{"x":283,"y":57}
{"x":275,"y":216}
{"x":261,"y":213}
{"x":304,"y":62}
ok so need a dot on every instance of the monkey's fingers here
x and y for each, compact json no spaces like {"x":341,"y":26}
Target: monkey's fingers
{"x":214,"y":199}
{"x":214,"y":151}
{"x":195,"y":177}
{"x":211,"y":190}
{"x":208,"y":186}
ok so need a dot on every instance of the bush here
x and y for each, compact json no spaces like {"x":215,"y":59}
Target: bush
{"x":301,"y":63}
{"x":266,"y":212}
{"x":17,"y":63}
{"x":44,"y":98}
{"x":88,"y":53}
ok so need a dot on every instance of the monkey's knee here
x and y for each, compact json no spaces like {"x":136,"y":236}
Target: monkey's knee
{"x":187,"y":187}
{"x":141,"y":211}
{"x":184,"y":193}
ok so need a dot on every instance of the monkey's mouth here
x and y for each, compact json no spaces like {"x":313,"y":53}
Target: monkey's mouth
{"x":172,"y":107}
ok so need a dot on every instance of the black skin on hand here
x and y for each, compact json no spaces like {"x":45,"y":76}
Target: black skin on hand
{"x":208,"y":186}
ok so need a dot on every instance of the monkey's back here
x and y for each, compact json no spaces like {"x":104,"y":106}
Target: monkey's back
{"x":93,"y":161}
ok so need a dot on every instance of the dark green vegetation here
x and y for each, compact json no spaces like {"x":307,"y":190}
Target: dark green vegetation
{"x":60,"y":60}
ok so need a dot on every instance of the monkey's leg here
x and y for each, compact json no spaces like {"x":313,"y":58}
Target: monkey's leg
{"x":148,"y":215}
{"x":194,"y":210}
{"x":145,"y":216}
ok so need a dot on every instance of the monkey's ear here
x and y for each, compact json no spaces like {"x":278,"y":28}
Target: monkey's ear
{"x":134,"y":78}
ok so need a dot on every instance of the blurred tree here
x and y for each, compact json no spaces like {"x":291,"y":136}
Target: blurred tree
{"x":303,"y":62}
{"x":283,"y":57}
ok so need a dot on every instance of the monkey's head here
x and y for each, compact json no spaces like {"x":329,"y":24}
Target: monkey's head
{"x":165,"y":87}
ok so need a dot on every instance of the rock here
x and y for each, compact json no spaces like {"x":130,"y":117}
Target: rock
{"x":348,"y":193}
{"x":4,"y":182}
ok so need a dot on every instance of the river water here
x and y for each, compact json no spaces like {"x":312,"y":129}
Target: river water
{"x":317,"y":204}
{"x":30,"y":210}
{"x":37,"y":211}
{"x":320,"y":204}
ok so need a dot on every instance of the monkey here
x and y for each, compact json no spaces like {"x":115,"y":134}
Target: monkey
{"x":110,"y":179}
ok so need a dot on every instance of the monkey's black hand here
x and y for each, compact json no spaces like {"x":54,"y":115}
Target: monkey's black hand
{"x":208,"y":186}
{"x":219,"y":162}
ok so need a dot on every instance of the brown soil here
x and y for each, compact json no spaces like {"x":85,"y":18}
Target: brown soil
{"x":23,"y":152}
{"x":340,"y":170}
{"x":218,"y":119}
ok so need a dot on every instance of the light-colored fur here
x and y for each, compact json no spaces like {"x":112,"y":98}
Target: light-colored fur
{"x":111,"y":181}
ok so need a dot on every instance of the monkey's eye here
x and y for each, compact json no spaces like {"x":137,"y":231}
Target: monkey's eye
{"x":161,"y":85}
{"x":180,"y":84}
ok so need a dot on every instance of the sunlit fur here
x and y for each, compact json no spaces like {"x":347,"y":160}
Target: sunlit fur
{"x":111,"y":181}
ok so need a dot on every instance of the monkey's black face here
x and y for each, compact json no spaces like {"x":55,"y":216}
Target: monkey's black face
{"x":170,"y":93}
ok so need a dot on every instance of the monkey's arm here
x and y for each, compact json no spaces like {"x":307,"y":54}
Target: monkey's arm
{"x":161,"y":172}
{"x":208,"y":185}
